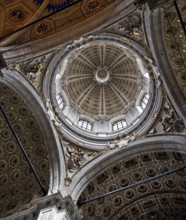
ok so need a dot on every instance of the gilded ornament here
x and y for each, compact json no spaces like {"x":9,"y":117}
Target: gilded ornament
{"x":93,"y":5}
{"x":42,"y":28}
{"x":18,"y":15}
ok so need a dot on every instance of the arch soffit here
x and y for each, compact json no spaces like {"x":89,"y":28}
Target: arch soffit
{"x":154,"y":26}
{"x":56,"y":159}
{"x":147,"y":145}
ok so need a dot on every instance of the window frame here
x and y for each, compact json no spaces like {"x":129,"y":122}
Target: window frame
{"x":119,"y":125}
{"x":85,"y":125}
{"x":60,"y":101}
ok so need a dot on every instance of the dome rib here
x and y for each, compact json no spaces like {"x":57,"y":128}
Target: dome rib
{"x":87,"y":61}
{"x":78,"y":77}
{"x":102,"y":80}
{"x":121,"y":58}
{"x":119,"y":94}
{"x":85,"y":94}
{"x":102,"y":100}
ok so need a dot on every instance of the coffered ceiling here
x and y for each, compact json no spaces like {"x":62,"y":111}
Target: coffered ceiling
{"x":18,"y":13}
{"x":18,"y":186}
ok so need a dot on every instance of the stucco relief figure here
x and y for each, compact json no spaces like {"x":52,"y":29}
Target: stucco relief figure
{"x":178,"y":125}
{"x":51,"y":114}
{"x":167,"y":107}
{"x":131,"y":26}
{"x":170,"y":122}
{"x":153,"y":131}
{"x":132,"y":30}
{"x":122,"y":141}
{"x":158,"y":81}
{"x":74,"y":157}
{"x":12,"y":66}
{"x":34,"y":71}
{"x":35,"y":74}
{"x":68,"y":181}
{"x":32,"y":77}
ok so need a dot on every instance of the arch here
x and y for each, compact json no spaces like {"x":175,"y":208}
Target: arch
{"x":150,"y":144}
{"x":56,"y":160}
{"x":155,"y":30}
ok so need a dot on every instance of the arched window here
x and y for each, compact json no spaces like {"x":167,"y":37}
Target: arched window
{"x":85,"y":125}
{"x":60,"y":101}
{"x":144,"y":101}
{"x":119,"y":125}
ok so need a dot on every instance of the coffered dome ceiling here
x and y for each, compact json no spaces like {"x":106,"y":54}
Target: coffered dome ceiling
{"x":101,"y":86}
{"x":102,"y":81}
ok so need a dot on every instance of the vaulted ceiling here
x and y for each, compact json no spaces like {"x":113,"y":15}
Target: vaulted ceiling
{"x":18,"y":186}
{"x":175,"y":42}
{"x":18,"y":13}
{"x":163,"y":198}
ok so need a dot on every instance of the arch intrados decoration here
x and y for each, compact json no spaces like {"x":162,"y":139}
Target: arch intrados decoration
{"x":170,"y":150}
{"x":161,"y":143}
{"x":163,"y":55}
{"x":38,"y":131}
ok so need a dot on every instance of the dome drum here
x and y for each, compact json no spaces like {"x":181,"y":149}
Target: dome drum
{"x":105,"y":88}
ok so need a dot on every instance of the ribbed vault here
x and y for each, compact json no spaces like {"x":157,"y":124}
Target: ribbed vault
{"x":102,"y":80}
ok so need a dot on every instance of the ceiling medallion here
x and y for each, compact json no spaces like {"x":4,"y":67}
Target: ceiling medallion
{"x":42,"y":28}
{"x":93,"y":5}
{"x":18,"y":15}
